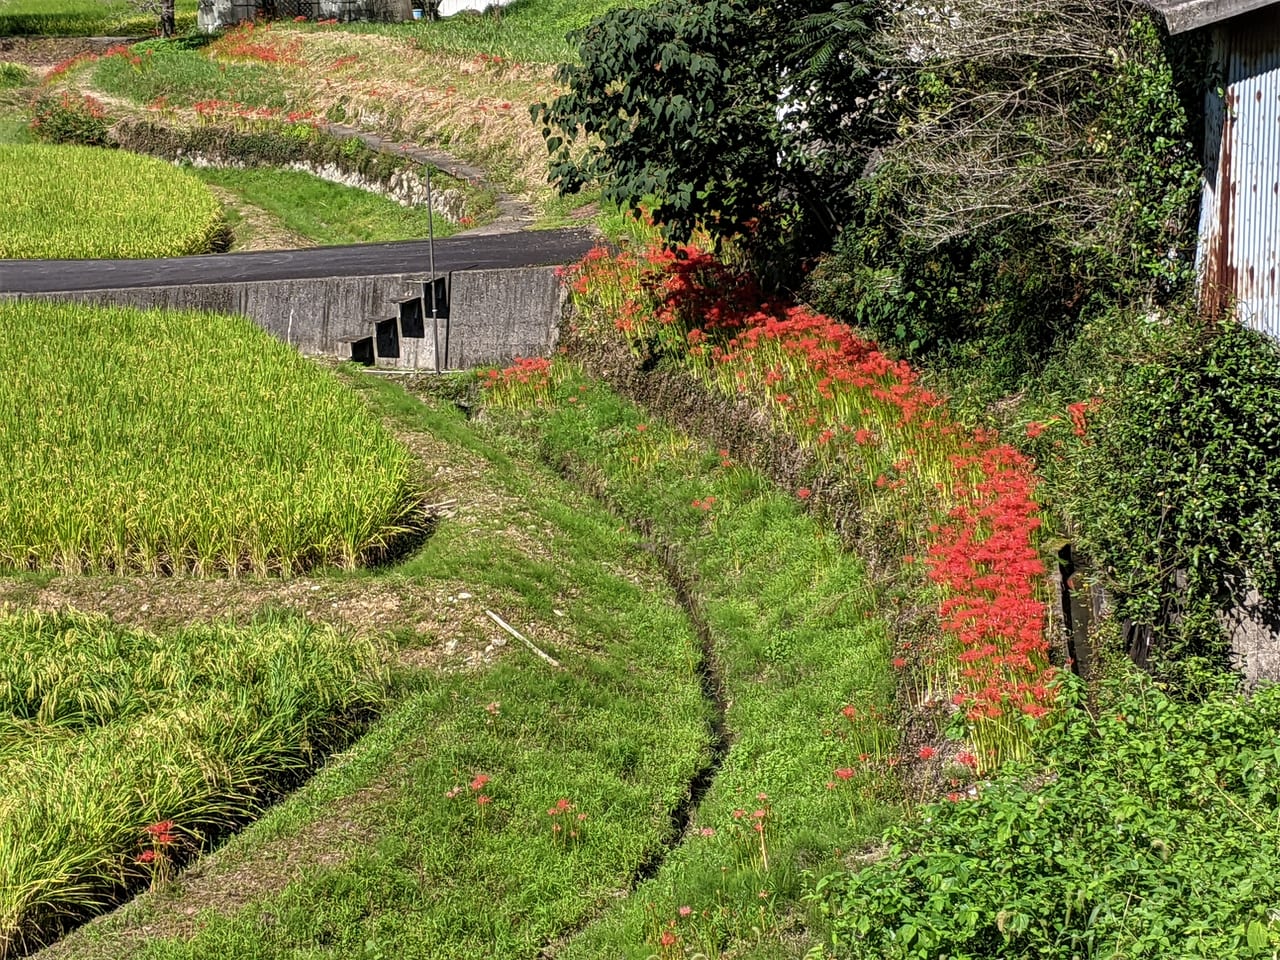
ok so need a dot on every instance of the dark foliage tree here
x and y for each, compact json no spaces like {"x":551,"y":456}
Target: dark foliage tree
{"x":743,"y":119}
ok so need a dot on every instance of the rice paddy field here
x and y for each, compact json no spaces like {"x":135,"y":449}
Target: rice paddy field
{"x":123,"y":753}
{"x":81,"y":18}
{"x":179,"y":442}
{"x":122,"y":205}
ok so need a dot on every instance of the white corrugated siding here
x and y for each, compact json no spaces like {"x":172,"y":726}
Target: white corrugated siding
{"x":1240,"y":213}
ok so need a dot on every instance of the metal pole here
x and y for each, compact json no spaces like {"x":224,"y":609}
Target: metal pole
{"x":431,"y":253}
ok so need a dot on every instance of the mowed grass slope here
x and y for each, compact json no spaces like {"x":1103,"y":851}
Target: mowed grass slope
{"x":106,"y":732}
{"x":802,"y":657}
{"x":68,"y":202}
{"x":170,"y":442}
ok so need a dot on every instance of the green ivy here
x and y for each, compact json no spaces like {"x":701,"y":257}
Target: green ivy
{"x":1177,"y":487}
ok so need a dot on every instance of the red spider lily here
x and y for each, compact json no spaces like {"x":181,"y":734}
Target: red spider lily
{"x":823,"y":383}
{"x":161,"y":833}
{"x":479,"y":782}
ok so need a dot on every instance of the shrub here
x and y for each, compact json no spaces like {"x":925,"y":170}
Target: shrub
{"x":1152,"y":833}
{"x":1177,"y":490}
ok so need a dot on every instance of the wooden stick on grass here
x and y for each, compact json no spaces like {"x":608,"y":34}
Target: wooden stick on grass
{"x":521,"y":637}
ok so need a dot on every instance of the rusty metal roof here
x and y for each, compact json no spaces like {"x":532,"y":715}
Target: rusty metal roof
{"x":1183,"y":15}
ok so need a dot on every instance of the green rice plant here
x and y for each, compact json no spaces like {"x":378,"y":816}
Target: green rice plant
{"x":121,"y":205}
{"x":13,"y":75}
{"x":85,"y":18}
{"x":178,"y":442}
{"x":113,"y":739}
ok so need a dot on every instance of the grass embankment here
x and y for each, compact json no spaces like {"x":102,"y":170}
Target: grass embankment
{"x":320,"y":212}
{"x":432,"y":837}
{"x":877,"y":445}
{"x":177,"y":441}
{"x":122,"y":752}
{"x":802,"y":661}
{"x":532,"y":32}
{"x":65,"y":202}
{"x":85,"y":18}
{"x":463,"y":84}
{"x":185,"y":71}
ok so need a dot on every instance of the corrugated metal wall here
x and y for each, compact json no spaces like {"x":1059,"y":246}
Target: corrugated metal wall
{"x":1240,"y":212}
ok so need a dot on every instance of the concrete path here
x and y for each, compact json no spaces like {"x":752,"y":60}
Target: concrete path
{"x":526,"y":249}
{"x":513,"y":214}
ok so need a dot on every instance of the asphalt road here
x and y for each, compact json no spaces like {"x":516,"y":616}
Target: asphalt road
{"x":525,"y":249}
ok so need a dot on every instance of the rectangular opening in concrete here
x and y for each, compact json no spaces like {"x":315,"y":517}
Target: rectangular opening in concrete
{"x":387,"y":338}
{"x":361,"y":348}
{"x":411,"y":319}
{"x":436,"y":291}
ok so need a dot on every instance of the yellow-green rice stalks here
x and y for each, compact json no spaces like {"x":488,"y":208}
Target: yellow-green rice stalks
{"x":177,"y":442}
{"x":122,"y":753}
{"x":67,"y":202}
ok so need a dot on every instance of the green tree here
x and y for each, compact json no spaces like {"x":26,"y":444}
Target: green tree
{"x":738,"y":118}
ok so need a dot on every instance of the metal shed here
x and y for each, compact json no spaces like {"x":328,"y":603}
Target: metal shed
{"x":1237,"y":254}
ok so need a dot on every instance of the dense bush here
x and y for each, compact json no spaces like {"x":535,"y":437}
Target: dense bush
{"x":1177,"y":489}
{"x":1152,"y":834}
{"x":997,"y":221}
{"x":740,"y":119}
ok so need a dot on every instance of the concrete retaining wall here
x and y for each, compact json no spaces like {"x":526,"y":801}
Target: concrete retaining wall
{"x":494,"y":314}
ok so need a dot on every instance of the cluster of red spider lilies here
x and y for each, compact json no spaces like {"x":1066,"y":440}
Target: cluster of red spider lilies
{"x":963,"y":501}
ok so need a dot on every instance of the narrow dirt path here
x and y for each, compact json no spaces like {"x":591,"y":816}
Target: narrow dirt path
{"x":514,"y":214}
{"x":257,"y":229}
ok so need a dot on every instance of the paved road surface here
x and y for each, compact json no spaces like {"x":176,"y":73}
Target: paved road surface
{"x":525,"y":249}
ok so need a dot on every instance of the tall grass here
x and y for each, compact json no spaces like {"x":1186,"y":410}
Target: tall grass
{"x":327,"y":213}
{"x":174,"y":442}
{"x":106,"y":732}
{"x":183,"y":72}
{"x":68,"y":202}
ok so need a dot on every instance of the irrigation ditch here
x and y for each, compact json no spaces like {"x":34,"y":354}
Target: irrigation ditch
{"x":684,"y":586}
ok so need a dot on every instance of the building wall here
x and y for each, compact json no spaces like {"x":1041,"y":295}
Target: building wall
{"x":1239,"y":250}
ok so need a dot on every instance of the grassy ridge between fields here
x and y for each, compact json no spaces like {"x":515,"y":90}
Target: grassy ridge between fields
{"x":803,"y":664}
{"x":106,"y":732}
{"x":412,"y":861}
{"x":425,"y":868}
{"x":178,"y":441}
{"x":69,"y":202}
